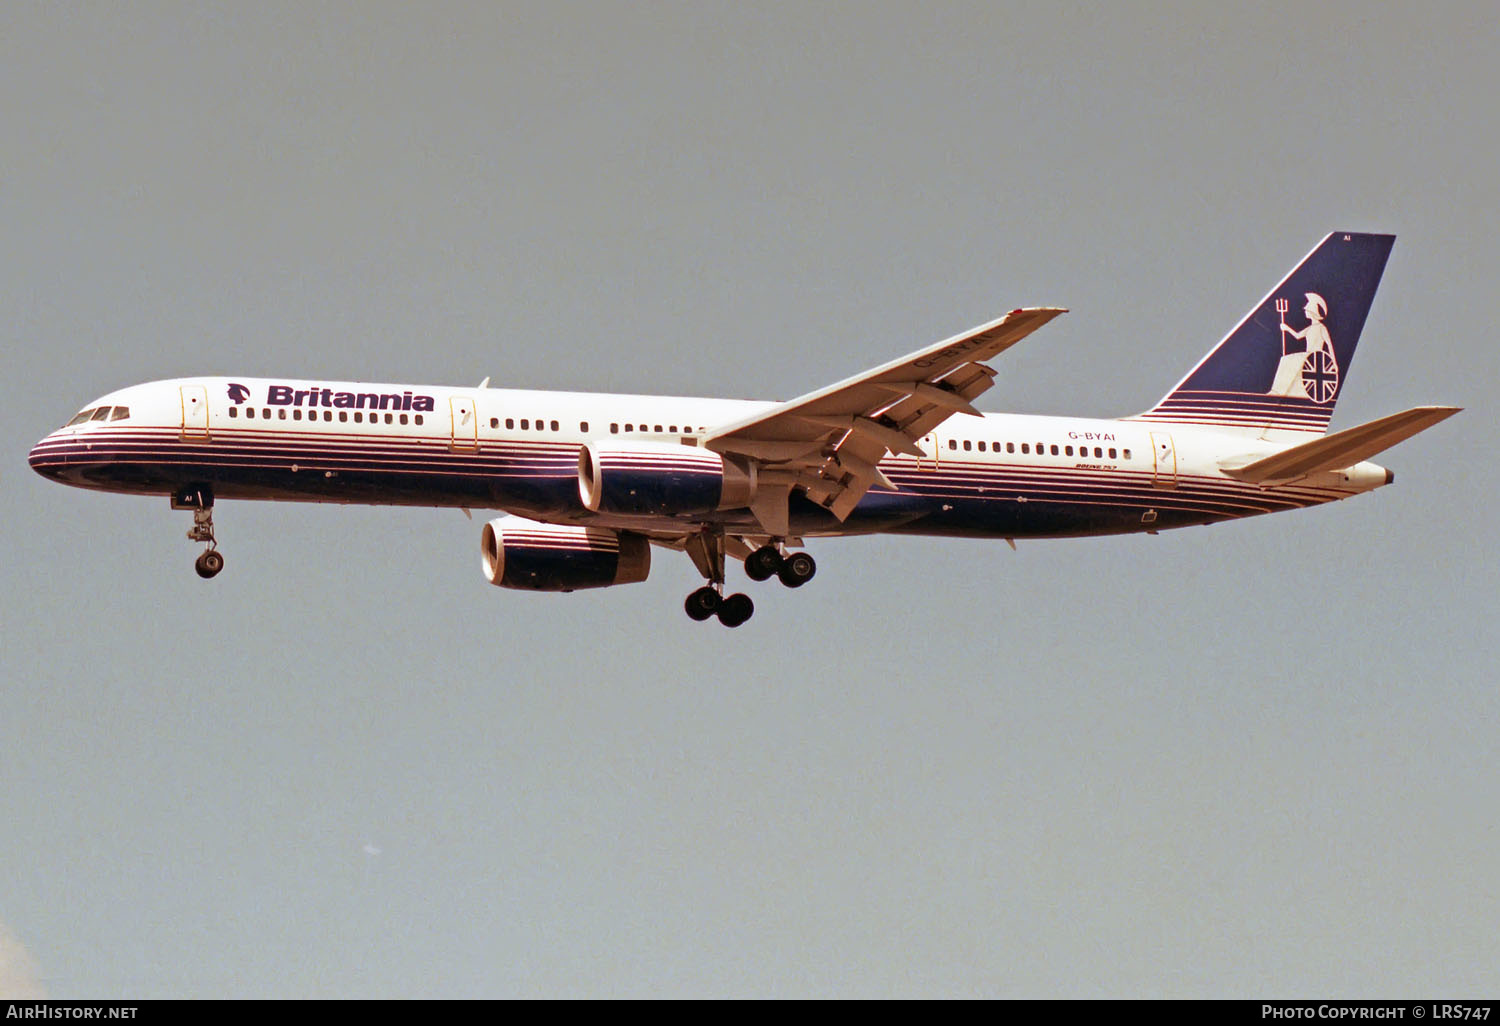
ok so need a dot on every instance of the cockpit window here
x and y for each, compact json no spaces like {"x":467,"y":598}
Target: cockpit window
{"x":85,"y":415}
{"x":121,"y":412}
{"x":102,"y":413}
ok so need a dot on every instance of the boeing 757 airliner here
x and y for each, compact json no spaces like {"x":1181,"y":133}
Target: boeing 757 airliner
{"x":588,"y":483}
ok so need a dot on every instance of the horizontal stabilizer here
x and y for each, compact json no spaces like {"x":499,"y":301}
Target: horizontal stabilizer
{"x":1344,"y":448}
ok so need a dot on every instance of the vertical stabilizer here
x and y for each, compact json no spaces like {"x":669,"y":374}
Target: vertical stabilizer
{"x":1283,"y":366}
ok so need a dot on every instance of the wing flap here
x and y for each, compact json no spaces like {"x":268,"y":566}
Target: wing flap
{"x":833,"y":439}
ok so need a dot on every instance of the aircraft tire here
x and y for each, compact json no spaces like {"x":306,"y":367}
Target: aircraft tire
{"x":702,"y":604}
{"x":763,"y":564}
{"x":797,"y":569}
{"x":735,"y":610}
{"x":209,"y":564}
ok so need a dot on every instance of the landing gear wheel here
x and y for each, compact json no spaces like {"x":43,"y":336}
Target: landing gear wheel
{"x":763,"y":564}
{"x":797,"y":569}
{"x":702,"y":604}
{"x":209,"y":564}
{"x":735,"y":610}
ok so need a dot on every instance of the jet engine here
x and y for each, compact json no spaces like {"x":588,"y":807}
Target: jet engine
{"x":520,"y":553}
{"x":661,"y":479}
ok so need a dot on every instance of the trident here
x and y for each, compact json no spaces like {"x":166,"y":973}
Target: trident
{"x":1281,"y":308}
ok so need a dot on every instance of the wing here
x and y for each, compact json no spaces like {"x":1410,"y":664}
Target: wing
{"x":828,"y":443}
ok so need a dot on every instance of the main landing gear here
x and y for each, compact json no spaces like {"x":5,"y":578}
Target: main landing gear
{"x":707,"y":601}
{"x":707,"y":552}
{"x":795,"y":568}
{"x":200,"y":499}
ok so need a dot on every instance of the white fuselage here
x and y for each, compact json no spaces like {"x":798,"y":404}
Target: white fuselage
{"x":997,"y":475}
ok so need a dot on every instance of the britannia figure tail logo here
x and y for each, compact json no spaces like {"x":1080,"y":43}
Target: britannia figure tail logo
{"x":1313,"y":372}
{"x":238,"y":393}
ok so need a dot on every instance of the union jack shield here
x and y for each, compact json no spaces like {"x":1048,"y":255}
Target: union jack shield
{"x":1320,"y":376}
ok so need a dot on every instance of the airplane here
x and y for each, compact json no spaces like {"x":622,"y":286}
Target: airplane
{"x":588,"y":483}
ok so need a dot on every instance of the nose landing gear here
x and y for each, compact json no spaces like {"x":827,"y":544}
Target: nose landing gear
{"x":208,"y":563}
{"x":200,"y":499}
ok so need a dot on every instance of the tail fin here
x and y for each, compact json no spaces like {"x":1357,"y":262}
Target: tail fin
{"x":1283,"y":366}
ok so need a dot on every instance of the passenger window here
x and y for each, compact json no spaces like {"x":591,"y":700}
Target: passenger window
{"x":403,"y":418}
{"x":1026,"y":448}
{"x":629,"y":427}
{"x":281,"y":414}
{"x":234,"y":411}
{"x":1111,"y":454}
{"x":953,"y":443}
{"x":968,"y":445}
{"x":328,"y":415}
{"x":1054,"y":450}
{"x":614,"y":429}
{"x":1127,"y":454}
{"x":1068,"y":450}
{"x":344,"y":416}
{"x":388,"y":418}
{"x":494,"y":423}
{"x":583,"y":426}
{"x":526,"y":424}
{"x":359,"y":418}
{"x":1098,"y":453}
{"x":417,"y":417}
{"x":1010,"y":446}
{"x":296,"y":414}
{"x":672,"y":428}
{"x":658,"y":429}
{"x":981,"y":447}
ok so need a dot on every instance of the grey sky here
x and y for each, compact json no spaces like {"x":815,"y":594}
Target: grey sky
{"x":1249,"y":760}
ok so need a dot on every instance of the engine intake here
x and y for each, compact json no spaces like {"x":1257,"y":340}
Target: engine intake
{"x":661,"y":479}
{"x":520,"y":553}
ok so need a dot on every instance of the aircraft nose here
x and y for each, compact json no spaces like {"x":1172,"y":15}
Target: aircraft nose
{"x":43,"y":458}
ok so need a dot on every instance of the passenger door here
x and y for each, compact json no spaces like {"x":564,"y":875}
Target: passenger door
{"x":1164,"y":461}
{"x":194,"y":411}
{"x":465,"y":422}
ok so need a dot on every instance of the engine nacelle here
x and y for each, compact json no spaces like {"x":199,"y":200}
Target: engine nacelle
{"x":661,"y":479}
{"x":520,"y":553}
